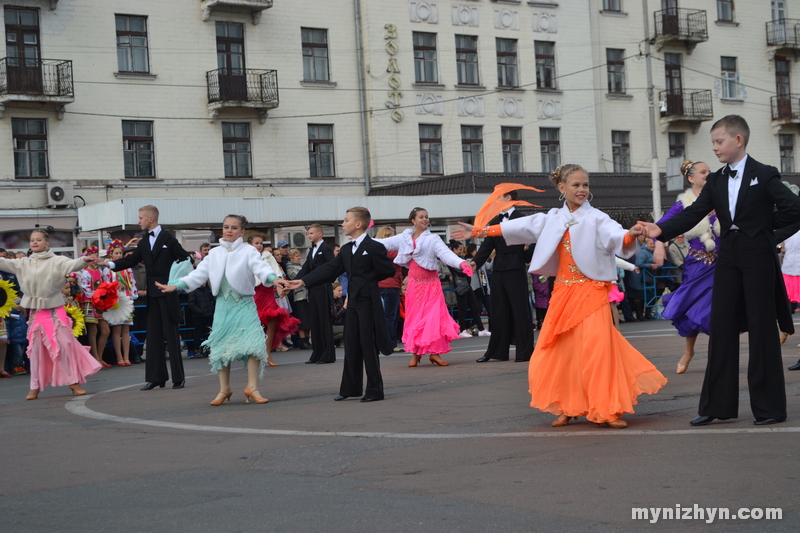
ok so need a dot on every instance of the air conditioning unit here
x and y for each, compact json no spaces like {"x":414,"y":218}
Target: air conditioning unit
{"x":299,"y":240}
{"x":59,"y":195}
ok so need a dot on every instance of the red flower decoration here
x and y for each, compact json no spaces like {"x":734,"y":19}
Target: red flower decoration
{"x":105,"y":296}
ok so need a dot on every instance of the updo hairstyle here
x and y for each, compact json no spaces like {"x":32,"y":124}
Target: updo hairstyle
{"x":561,"y":174}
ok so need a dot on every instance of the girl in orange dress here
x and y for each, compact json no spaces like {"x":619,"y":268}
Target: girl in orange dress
{"x":581,"y":366}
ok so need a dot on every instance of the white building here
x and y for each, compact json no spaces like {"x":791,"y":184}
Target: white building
{"x":111,"y":100}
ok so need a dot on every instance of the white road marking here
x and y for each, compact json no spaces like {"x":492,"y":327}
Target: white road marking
{"x":77,"y":406}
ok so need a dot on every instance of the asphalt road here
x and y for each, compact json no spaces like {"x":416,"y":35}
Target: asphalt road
{"x":451,"y":449}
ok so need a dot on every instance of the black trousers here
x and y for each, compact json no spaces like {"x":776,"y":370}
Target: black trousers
{"x":468,"y":305}
{"x":744,"y":295}
{"x":511,"y":316}
{"x":319,"y":317}
{"x":361,"y":350}
{"x":160,"y":327}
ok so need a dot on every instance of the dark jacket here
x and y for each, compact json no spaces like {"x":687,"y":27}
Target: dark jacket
{"x":158,"y":261}
{"x":365,"y":269}
{"x":506,"y":257}
{"x":323,"y":254}
{"x":202,"y":302}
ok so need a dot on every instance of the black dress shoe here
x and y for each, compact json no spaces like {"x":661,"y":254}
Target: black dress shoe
{"x":340,"y":398}
{"x":702,"y":420}
{"x":178,"y":385}
{"x":768,"y":421}
{"x":484,"y":359}
{"x":325,"y":362}
{"x":705,"y":420}
{"x":522,"y":360}
{"x":795,"y":366}
{"x":310,"y":362}
{"x":371,"y":399}
{"x":151,"y":386}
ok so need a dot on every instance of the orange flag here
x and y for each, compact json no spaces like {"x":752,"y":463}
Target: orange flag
{"x":494,"y":204}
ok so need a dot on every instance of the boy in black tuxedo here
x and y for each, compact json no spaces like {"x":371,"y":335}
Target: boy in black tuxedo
{"x":511,"y":316}
{"x":750,"y":202}
{"x":320,"y":300}
{"x":366,"y":263}
{"x":158,"y":249}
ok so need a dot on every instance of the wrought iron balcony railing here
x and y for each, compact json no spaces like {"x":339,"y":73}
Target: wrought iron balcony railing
{"x":688,"y":104}
{"x":785,"y":107}
{"x":783,"y":32}
{"x":681,"y":24}
{"x":45,"y":78}
{"x":248,"y":87}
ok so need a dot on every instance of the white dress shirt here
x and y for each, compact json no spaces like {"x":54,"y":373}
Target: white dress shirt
{"x":152,"y":239}
{"x":357,"y":242}
{"x":734,"y":185}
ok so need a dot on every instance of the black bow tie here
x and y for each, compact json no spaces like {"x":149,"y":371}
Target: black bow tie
{"x":151,"y":233}
{"x":729,"y":172}
{"x":505,"y":215}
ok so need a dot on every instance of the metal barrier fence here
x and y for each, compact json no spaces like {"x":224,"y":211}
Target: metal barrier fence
{"x":651,"y":295}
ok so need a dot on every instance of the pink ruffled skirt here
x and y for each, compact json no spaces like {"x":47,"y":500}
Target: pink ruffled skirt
{"x":429,"y":328}
{"x":57,"y":358}
{"x":792,"y":287}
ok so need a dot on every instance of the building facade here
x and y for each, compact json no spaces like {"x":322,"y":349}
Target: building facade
{"x":104,"y":100}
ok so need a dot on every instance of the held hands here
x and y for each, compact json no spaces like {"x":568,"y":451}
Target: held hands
{"x":637,"y":230}
{"x":166,"y":288}
{"x":463,"y":233}
{"x":289,"y":285}
{"x":282,"y":287}
{"x":651,"y":230}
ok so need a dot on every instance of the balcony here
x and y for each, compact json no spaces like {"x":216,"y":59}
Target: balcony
{"x":46,"y":81}
{"x":689,"y":106}
{"x":678,"y":24}
{"x":783,"y":34}
{"x":242,"y":88}
{"x":785,"y":110}
{"x":254,"y":8}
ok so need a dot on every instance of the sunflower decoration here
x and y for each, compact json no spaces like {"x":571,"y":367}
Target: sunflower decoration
{"x":76,"y":317}
{"x":105,"y":297}
{"x":7,"y":297}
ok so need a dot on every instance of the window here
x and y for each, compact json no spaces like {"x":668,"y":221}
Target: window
{"x":621,"y":150}
{"x":787,"y":153}
{"x":545,"y":64}
{"x":507,"y":63}
{"x":132,"y":44}
{"x":430,"y":150}
{"x":137,"y":145}
{"x":236,"y":149}
{"x":315,"y":55}
{"x":512,"y":149}
{"x":30,"y":147}
{"x":467,"y":59}
{"x":615,"y":66}
{"x":730,"y":85}
{"x":677,"y":145}
{"x":612,"y":5}
{"x":320,"y":151}
{"x":472,"y":148}
{"x":725,"y":10}
{"x":551,"y":150}
{"x":425,"y":67}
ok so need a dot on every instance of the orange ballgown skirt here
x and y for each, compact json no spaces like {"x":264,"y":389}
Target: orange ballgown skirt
{"x":583,"y":366}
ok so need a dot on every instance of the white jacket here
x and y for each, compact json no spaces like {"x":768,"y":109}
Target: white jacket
{"x":791,"y":258}
{"x":236,"y":261}
{"x":273,"y":263}
{"x":595,"y":238}
{"x":41,"y":277}
{"x":429,"y":248}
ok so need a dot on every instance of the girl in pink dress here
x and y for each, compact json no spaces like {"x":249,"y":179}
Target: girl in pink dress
{"x":428,"y":328}
{"x":57,"y":358}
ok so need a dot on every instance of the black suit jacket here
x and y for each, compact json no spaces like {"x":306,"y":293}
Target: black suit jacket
{"x":506,"y":257}
{"x":761,"y":192}
{"x":365,"y":268}
{"x":157,"y":262}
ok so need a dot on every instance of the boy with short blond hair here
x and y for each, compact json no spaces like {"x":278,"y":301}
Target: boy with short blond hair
{"x":750,"y":202}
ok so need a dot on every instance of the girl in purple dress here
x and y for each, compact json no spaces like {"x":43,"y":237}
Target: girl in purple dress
{"x":689,"y":306}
